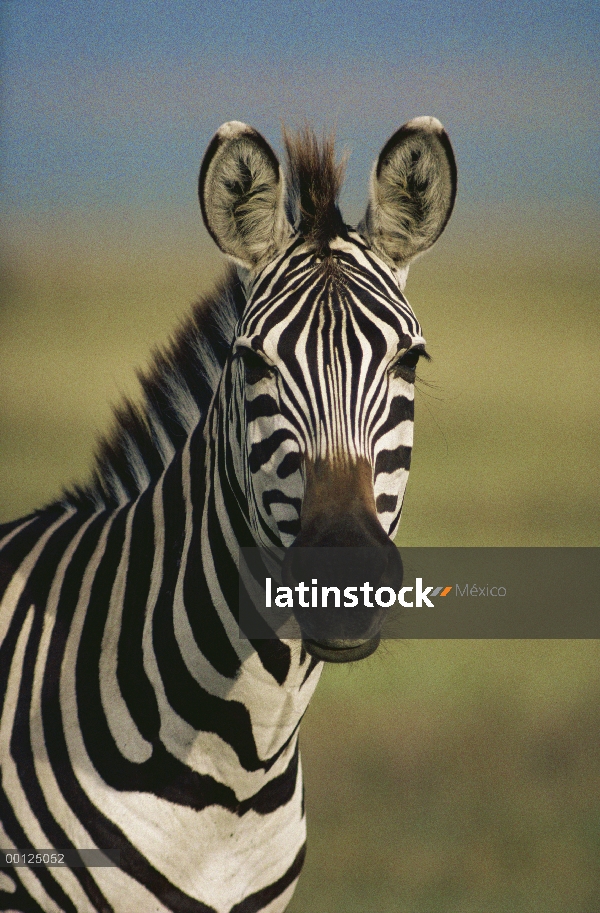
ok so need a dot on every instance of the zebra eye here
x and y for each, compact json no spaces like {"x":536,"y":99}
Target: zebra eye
{"x":406,"y":366}
{"x":256,"y":366}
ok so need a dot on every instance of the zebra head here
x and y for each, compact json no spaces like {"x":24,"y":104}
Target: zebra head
{"x":321,"y":374}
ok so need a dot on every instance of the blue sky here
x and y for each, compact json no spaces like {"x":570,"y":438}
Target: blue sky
{"x":111,"y":103}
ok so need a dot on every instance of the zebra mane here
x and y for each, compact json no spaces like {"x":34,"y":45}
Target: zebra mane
{"x":314,"y":183}
{"x":177,"y":392}
{"x":178,"y":388}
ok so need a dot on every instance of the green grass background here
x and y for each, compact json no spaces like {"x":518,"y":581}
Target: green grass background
{"x":440,"y":776}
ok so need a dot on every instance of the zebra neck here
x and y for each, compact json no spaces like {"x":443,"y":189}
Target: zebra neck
{"x":163,"y":598}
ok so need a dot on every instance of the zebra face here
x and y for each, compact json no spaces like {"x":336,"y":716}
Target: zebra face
{"x":323,"y":363}
{"x":326,"y":374}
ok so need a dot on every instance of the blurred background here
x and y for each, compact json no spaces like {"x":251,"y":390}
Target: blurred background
{"x":456,"y":776}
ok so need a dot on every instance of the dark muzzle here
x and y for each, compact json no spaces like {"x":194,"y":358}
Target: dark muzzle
{"x":343,"y":566}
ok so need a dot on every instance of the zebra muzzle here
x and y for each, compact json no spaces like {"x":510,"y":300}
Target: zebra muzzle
{"x":340,"y":564}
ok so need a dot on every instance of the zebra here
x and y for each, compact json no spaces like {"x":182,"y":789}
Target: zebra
{"x":134,"y":717}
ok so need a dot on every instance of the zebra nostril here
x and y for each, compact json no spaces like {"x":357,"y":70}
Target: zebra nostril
{"x":336,"y":565}
{"x":344,"y":549}
{"x":355,"y":528}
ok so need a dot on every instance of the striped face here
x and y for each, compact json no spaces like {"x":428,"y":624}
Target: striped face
{"x":324,"y":364}
{"x":319,"y":393}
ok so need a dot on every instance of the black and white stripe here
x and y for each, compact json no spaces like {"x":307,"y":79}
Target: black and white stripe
{"x":133,"y":716}
{"x":331,"y":394}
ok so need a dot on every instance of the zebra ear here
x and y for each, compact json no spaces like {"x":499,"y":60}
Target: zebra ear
{"x":241,"y":190}
{"x":413,"y":186}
